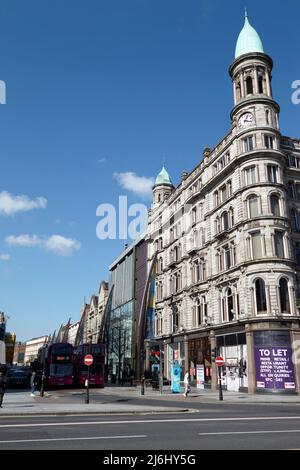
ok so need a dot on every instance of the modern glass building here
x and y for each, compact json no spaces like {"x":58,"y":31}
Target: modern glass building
{"x":127,"y":278}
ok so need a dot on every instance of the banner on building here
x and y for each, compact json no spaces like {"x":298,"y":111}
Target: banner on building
{"x":274,"y":368}
{"x":200,"y":376}
{"x":150,"y":311}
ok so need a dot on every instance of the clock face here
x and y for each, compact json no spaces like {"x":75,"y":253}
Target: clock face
{"x":245,"y":120}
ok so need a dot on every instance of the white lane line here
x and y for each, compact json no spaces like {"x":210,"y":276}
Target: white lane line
{"x":179,"y":420}
{"x":246,"y":432}
{"x":72,"y":439}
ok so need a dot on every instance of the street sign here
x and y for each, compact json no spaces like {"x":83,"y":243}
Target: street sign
{"x":220,"y":361}
{"x":88,"y":360}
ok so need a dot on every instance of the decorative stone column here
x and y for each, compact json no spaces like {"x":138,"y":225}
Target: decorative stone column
{"x":166,"y":360}
{"x":243,"y":92}
{"x":214,"y":371}
{"x":234,"y":92}
{"x":268,"y":83}
{"x":251,"y":362}
{"x":255,"y":73}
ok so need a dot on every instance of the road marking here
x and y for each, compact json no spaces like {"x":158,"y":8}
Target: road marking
{"x":72,"y":439}
{"x":177,"y":420}
{"x":245,"y":432}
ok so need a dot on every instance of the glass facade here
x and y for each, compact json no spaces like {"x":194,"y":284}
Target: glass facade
{"x":120,"y":344}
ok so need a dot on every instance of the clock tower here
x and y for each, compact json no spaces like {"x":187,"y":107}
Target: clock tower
{"x":251,"y":73}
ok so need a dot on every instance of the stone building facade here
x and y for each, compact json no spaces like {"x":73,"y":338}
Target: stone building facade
{"x":227,"y":244}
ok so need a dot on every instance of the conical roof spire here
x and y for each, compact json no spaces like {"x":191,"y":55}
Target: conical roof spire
{"x":248,"y":40}
{"x":163,"y":178}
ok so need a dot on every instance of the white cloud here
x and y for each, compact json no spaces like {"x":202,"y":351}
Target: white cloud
{"x":23,"y":240}
{"x":57,"y":244}
{"x":4,"y":257}
{"x":102,"y":160}
{"x":62,"y":246}
{"x":10,"y":205}
{"x":139,"y":185}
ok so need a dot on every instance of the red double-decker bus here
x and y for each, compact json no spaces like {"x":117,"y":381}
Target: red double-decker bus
{"x":96,"y":370}
{"x":55,"y":362}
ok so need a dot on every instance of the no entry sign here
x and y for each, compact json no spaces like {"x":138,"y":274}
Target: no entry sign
{"x":220,"y":361}
{"x":88,"y":360}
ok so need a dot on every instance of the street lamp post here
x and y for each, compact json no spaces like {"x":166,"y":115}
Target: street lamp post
{"x":143,"y":373}
{"x":87,"y":398}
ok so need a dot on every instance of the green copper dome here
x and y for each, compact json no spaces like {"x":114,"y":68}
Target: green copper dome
{"x":248,"y":40}
{"x":163,"y":178}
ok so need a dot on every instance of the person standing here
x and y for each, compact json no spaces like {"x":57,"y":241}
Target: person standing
{"x":2,"y":387}
{"x":186,"y":382}
{"x":33,"y":384}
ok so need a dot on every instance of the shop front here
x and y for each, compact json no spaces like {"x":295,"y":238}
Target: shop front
{"x":200,"y":355}
{"x":273,"y":357}
{"x":233,"y":348}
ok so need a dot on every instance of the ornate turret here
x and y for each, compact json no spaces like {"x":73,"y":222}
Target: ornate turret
{"x":251,"y":73}
{"x":162,"y":188}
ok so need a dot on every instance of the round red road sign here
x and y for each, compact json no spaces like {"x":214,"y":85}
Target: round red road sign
{"x":220,"y":361}
{"x":88,"y":360}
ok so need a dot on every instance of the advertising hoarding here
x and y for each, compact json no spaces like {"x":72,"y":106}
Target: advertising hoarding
{"x":274,"y":368}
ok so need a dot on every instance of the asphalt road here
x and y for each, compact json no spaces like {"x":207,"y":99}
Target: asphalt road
{"x":216,"y":426}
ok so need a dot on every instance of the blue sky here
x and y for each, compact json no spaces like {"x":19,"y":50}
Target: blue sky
{"x":97,"y":88}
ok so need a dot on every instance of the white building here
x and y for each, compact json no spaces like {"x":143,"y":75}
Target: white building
{"x":32,"y":348}
{"x":227,"y":243}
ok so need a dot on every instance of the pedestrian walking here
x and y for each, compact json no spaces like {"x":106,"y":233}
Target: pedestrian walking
{"x":33,"y":384}
{"x":186,"y":382}
{"x":2,"y":387}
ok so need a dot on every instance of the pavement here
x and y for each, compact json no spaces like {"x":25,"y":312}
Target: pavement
{"x":127,"y":400}
{"x":22,"y":404}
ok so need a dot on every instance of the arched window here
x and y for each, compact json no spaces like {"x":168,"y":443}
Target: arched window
{"x":260,"y":295}
{"x":294,"y":219}
{"x":175,"y":318}
{"x":260,"y":84}
{"x":275,"y":205}
{"x":284,"y":296}
{"x":230,"y":307}
{"x":249,"y":86}
{"x":238,"y":91}
{"x":231,"y":217}
{"x":225,"y":221}
{"x":253,"y":204}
